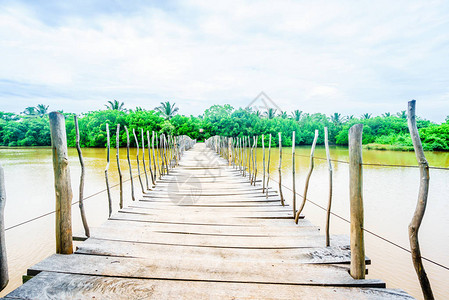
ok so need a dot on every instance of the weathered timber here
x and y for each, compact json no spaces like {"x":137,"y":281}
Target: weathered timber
{"x":120,"y":176}
{"x":329,"y":203}
{"x":129,"y":164}
{"x":83,"y":171}
{"x":293,"y":177}
{"x":143,"y":160}
{"x":413,"y":228}
{"x":4,"y":277}
{"x":108,"y":189}
{"x":149,"y":158}
{"x":137,"y":160}
{"x":356,"y":202}
{"x":280,"y":169}
{"x":309,"y":174}
{"x":63,"y":189}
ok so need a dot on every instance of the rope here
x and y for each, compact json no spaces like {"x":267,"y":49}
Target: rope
{"x":73,"y":203}
{"x":373,"y":164}
{"x":366,"y":230}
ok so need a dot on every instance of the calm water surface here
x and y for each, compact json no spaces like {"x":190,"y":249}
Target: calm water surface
{"x":390,"y":196}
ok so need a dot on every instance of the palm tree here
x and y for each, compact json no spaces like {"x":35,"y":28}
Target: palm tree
{"x":41,"y":109}
{"x":386,"y":115}
{"x":257,"y":113}
{"x":115,"y":105}
{"x":284,"y":115}
{"x":270,"y":113}
{"x":402,"y":114}
{"x":296,"y":115}
{"x":167,"y":110}
{"x":337,"y":119}
{"x":351,"y":117}
{"x":366,"y":116}
{"x":30,"y":111}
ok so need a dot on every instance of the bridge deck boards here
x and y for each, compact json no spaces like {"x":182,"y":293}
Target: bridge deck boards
{"x":204,"y":232}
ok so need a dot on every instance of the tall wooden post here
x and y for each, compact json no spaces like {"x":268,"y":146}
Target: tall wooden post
{"x":280,"y":169}
{"x":63,"y":186}
{"x":106,"y":171}
{"x":329,"y":204}
{"x":268,"y":166}
{"x":81,"y":189}
{"x":149,"y":158}
{"x":413,"y":228}
{"x":138,"y":164}
{"x":4,"y":277}
{"x":120,"y":176}
{"x":129,"y":164}
{"x":143,"y":159}
{"x":230,"y":151}
{"x":357,"y":269}
{"x":293,"y":176}
{"x":263,"y":163}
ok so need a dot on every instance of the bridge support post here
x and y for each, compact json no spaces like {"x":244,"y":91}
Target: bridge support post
{"x":63,"y":187}
{"x":357,"y":269}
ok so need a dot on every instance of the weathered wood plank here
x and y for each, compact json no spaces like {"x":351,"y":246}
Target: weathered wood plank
{"x":48,"y":285}
{"x":180,"y":268}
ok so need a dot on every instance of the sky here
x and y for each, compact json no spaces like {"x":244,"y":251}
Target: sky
{"x":351,"y":57}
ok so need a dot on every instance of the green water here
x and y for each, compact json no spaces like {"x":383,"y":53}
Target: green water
{"x":390,"y":196}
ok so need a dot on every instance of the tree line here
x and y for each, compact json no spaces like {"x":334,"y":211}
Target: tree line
{"x":388,"y":131}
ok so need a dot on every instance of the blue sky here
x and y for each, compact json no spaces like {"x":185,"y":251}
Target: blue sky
{"x":350,"y":57}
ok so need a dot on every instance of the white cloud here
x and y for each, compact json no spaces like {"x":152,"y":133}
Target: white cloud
{"x":351,"y":57}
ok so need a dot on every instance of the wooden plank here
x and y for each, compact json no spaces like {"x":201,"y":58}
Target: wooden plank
{"x":328,"y":255}
{"x":48,"y":285}
{"x":180,"y":268}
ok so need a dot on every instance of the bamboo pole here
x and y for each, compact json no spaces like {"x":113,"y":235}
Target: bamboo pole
{"x":129,"y":164}
{"x":268,"y":166}
{"x":157,"y":157}
{"x":309,"y":174}
{"x":293,"y":176}
{"x":250,"y":161}
{"x":329,"y":204}
{"x":83,"y":171}
{"x":138,"y":164}
{"x":149,"y":157}
{"x":357,"y":269}
{"x":280,"y":169}
{"x":154,"y":158}
{"x":4,"y":277}
{"x":413,"y":228}
{"x":120,"y":176}
{"x":63,"y":189}
{"x":164,"y":145}
{"x":106,"y":171}
{"x":263,"y":163}
{"x":255,"y":160}
{"x":143,"y":159}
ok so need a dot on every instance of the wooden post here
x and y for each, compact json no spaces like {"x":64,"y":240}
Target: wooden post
{"x":143,"y":159}
{"x":329,"y":204}
{"x":230,"y":152}
{"x":293,"y":176}
{"x":129,"y":164}
{"x":255,"y":160}
{"x":138,"y":164}
{"x":280,"y":169}
{"x":154,"y":158}
{"x":63,"y":187}
{"x":413,"y":227}
{"x":164,"y":145}
{"x":306,"y":187}
{"x":263,"y":163}
{"x":250,"y":161}
{"x":149,"y":157}
{"x":83,"y":171}
{"x":157,"y":157}
{"x":106,"y":171}
{"x":120,"y":176}
{"x":357,"y":269}
{"x":268,"y":166}
{"x":4,"y":277}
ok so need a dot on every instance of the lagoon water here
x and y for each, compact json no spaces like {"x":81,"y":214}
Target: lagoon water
{"x":390,"y":195}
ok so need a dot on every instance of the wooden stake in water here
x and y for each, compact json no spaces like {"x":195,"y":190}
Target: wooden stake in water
{"x":329,"y":204}
{"x":157,"y":157}
{"x":154,"y":158}
{"x":129,"y":164}
{"x":83,"y":171}
{"x":63,"y":188}
{"x":143,"y":159}
{"x":263,"y":163}
{"x":138,"y":165}
{"x":306,"y":187}
{"x":107,"y":169}
{"x":280,"y":169}
{"x":255,"y":159}
{"x":357,"y":268}
{"x":413,"y":228}
{"x":149,"y":158}
{"x":4,"y":277}
{"x":268,"y":165}
{"x":117,"y":142}
{"x":293,"y":175}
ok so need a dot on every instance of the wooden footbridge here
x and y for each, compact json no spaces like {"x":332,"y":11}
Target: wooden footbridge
{"x":203,"y":232}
